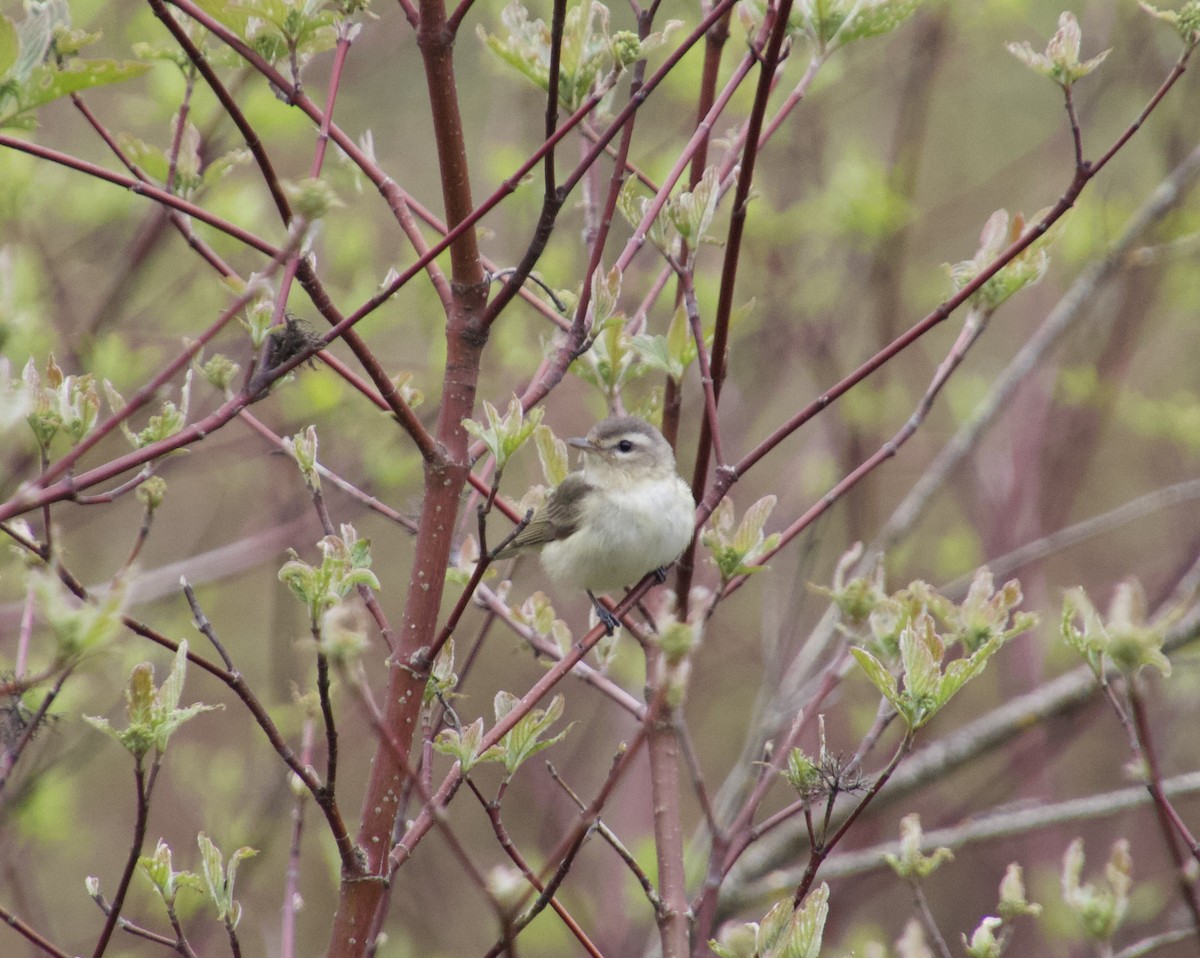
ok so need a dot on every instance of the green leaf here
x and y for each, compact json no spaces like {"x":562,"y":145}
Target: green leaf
{"x":47,"y":83}
{"x":611,"y":362}
{"x":921,"y":651}
{"x":442,"y":677}
{"x":1061,"y":61}
{"x":464,"y":745}
{"x":524,"y":46}
{"x":187,"y":159}
{"x":552,"y":452}
{"x":504,"y":435}
{"x":153,"y":714}
{"x":1101,"y":908}
{"x":794,"y":933}
{"x":219,"y":879}
{"x":880,"y":677}
{"x":802,"y":773}
{"x":167,"y":882}
{"x":984,"y":941}
{"x":303,"y":446}
{"x":1124,"y":636}
{"x":221,"y":166}
{"x":877,"y":18}
{"x":1026,"y":269}
{"x":1186,"y":20}
{"x":912,"y":863}
{"x":606,"y":293}
{"x":738,"y":551}
{"x":35,"y":34}
{"x":523,"y":740}
{"x":1013,"y":902}
{"x":275,"y":28}
{"x":591,"y":59}
{"x":345,"y":565}
{"x":671,"y":354}
{"x":78,"y":627}
{"x":692,"y":211}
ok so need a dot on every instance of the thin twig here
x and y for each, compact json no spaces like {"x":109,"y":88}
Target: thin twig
{"x":543,"y":646}
{"x":819,"y":853}
{"x":927,"y":921}
{"x":203,"y":626}
{"x":492,"y":809}
{"x":1057,"y":697}
{"x":139,"y":187}
{"x":1023,"y":818}
{"x":1070,"y":310}
{"x":611,"y":837}
{"x":1170,"y":824}
{"x":144,"y":785}
{"x":291,"y":888}
{"x":30,"y":934}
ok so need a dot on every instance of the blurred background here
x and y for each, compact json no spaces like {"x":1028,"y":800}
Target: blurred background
{"x":886,"y":172}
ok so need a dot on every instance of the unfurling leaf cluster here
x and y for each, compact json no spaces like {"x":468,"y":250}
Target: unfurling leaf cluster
{"x":1185,"y":20}
{"x":1101,"y":908}
{"x":518,"y":744}
{"x":673,"y":353}
{"x":66,"y":405}
{"x":504,"y":435}
{"x":276,"y":30}
{"x":917,"y":625}
{"x":219,"y":877}
{"x":167,"y":423}
{"x":738,"y":547}
{"x":79,"y":627}
{"x":912,"y":863}
{"x":785,"y":931}
{"x":1124,"y":637}
{"x":216,"y":878}
{"x":182,"y":170}
{"x":1024,"y":269}
{"x":831,"y":24}
{"x":345,"y":564}
{"x":684,"y":218}
{"x":160,"y":870}
{"x":153,"y":714}
{"x":1060,"y":61}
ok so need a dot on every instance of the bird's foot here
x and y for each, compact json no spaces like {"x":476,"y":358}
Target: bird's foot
{"x":610,"y":621}
{"x":660,"y":574}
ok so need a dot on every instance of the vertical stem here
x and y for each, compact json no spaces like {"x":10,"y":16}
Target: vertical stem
{"x":663,"y":749}
{"x":445,"y":475}
{"x":733,"y":246}
{"x":436,"y":41}
{"x":714,"y":45}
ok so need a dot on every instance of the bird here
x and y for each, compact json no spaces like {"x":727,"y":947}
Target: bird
{"x":625,"y":513}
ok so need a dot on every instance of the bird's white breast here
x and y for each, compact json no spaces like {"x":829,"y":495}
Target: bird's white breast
{"x":624,"y":534}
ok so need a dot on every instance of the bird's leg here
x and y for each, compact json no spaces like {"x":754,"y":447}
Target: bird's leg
{"x":606,"y":617}
{"x":660,"y":574}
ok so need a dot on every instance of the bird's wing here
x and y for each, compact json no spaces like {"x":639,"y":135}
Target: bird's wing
{"x":556,"y":518}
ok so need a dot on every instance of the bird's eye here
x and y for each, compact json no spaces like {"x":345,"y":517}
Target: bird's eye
{"x":625,"y":446}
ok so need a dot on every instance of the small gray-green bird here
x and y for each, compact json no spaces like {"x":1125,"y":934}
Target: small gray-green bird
{"x":625,"y":513}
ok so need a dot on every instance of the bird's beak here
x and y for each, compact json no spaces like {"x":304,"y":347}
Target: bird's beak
{"x":580,"y":442}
